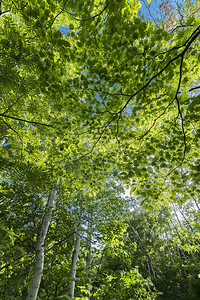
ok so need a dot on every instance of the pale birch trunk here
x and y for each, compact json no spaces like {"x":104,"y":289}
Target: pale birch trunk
{"x":39,"y":257}
{"x":88,"y":258}
{"x":72,"y":275}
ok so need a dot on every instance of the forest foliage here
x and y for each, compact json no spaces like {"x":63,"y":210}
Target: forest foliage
{"x":96,"y":98}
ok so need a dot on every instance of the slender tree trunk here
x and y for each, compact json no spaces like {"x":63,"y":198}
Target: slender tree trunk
{"x":170,"y":252}
{"x":149,"y":267}
{"x":184,"y":217}
{"x":39,"y":257}
{"x":196,"y":202}
{"x":88,"y":258}
{"x":72,"y":275}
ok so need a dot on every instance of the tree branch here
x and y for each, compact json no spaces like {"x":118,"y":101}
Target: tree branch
{"x":5,"y":13}
{"x":194,"y":88}
{"x":190,"y":40}
{"x":59,"y":242}
{"x":26,"y":121}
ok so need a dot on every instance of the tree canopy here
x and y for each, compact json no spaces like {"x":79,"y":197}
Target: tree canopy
{"x":96,"y":97}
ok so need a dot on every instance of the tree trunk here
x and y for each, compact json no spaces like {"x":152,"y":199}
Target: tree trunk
{"x":88,"y":257}
{"x":72,"y":275}
{"x":196,"y":202}
{"x":149,"y":267}
{"x":39,"y":257}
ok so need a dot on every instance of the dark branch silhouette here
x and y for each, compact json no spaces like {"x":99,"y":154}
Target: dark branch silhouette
{"x":26,"y":121}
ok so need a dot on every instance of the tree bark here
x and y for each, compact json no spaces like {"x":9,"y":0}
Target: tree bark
{"x":88,"y":257}
{"x":39,"y":257}
{"x":72,"y":275}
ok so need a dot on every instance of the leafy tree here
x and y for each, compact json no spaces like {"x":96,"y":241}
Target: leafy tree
{"x":116,"y":279}
{"x":165,"y":251}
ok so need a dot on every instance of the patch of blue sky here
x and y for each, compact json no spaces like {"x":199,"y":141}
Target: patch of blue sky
{"x":65,"y":29}
{"x":152,"y":12}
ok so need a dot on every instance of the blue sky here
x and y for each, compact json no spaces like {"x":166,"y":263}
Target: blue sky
{"x":153,"y":11}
